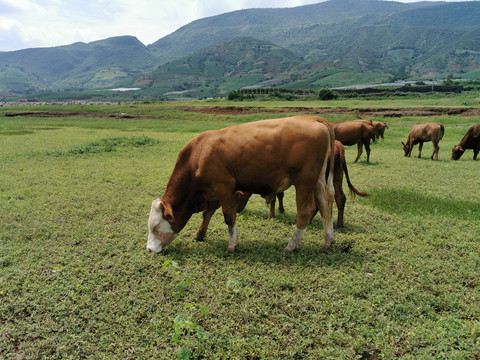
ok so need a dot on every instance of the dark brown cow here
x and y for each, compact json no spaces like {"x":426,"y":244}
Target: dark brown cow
{"x":421,"y":133}
{"x":471,"y":140}
{"x":263,"y":157}
{"x":340,"y":167}
{"x":353,"y":132}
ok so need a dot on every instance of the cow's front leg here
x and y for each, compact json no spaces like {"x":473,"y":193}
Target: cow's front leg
{"x":420,"y":147}
{"x":367,"y":149}
{"x":475,"y":152}
{"x":294,"y":240}
{"x":207,"y":215}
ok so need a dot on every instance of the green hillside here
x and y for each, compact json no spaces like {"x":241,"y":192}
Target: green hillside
{"x":78,"y":66}
{"x":332,"y":43}
{"x":226,"y":66}
{"x":360,"y":34}
{"x":245,"y":62}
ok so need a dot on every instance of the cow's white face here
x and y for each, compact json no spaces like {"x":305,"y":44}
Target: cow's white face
{"x":160,"y":232}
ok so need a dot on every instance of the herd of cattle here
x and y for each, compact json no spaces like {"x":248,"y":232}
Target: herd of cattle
{"x":223,"y":168}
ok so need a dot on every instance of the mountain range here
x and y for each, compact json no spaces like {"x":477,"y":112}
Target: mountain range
{"x":332,"y":43}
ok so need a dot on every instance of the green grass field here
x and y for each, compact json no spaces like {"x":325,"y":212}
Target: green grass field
{"x":401,"y":281}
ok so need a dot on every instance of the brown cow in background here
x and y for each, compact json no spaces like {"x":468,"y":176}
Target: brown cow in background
{"x":353,"y":132}
{"x":262,"y":157}
{"x":421,"y":133}
{"x":379,"y":129}
{"x":340,"y":167}
{"x":471,"y":140}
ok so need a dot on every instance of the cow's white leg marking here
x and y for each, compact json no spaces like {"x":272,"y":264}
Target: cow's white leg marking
{"x":294,"y":240}
{"x":232,"y":238}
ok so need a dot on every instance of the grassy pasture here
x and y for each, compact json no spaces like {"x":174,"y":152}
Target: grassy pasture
{"x":401,"y":281}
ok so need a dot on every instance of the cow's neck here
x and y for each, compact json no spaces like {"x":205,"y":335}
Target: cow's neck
{"x":179,"y":194}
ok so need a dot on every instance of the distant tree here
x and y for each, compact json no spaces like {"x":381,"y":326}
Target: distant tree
{"x":327,"y":94}
{"x":234,"y":95}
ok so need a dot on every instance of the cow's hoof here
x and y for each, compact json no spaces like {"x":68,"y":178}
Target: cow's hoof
{"x":327,"y":246}
{"x":287,"y":250}
{"x":231,"y":249}
{"x":198,"y":237}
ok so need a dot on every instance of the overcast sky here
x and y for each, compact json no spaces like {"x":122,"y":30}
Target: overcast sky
{"x":45,"y":23}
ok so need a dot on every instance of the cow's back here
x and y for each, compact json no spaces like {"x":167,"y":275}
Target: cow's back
{"x":351,"y":131}
{"x":263,"y":156}
{"x":428,"y":131}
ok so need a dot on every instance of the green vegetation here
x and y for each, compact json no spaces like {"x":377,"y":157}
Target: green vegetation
{"x":401,"y":281}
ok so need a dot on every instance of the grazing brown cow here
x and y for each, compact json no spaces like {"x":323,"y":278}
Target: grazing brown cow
{"x":340,"y":167}
{"x":380,"y":128}
{"x":353,"y":132}
{"x":421,"y":133}
{"x":471,"y":140}
{"x":263,"y":157}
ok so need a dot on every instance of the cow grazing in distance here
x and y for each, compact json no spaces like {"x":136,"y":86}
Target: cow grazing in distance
{"x":421,"y":133}
{"x":353,"y":132}
{"x":340,"y":167}
{"x":471,"y":140}
{"x":265,"y":157}
{"x":379,"y":129}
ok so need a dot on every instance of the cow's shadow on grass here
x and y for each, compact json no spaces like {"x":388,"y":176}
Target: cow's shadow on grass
{"x":412,"y":202}
{"x":363,"y":163}
{"x":267,"y":242}
{"x":290,"y":218}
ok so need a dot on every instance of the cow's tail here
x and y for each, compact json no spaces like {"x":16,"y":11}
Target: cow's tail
{"x":354,"y":191}
{"x":324,"y":190}
{"x":442,"y":131}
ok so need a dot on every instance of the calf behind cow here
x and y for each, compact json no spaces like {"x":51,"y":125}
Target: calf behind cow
{"x":264,"y":157}
{"x":340,"y":168}
{"x":421,"y":133}
{"x":471,"y":140}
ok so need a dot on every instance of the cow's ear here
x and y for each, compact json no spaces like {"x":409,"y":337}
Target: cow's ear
{"x":166,"y":210}
{"x":403,"y":143}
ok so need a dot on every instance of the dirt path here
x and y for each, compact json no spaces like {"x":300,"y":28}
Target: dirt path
{"x":245,"y":110}
{"x":59,"y":114}
{"x":393,"y":112}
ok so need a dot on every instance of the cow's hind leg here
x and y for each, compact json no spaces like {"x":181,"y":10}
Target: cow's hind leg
{"x":436,"y":148}
{"x":340,"y":200}
{"x":324,"y":195}
{"x":420,"y":147}
{"x":306,"y":210}
{"x":229,"y":209}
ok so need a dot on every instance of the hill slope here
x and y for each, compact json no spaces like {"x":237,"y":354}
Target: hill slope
{"x":244,"y":62}
{"x":225,"y":66}
{"x":363,"y":34}
{"x":78,"y":66}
